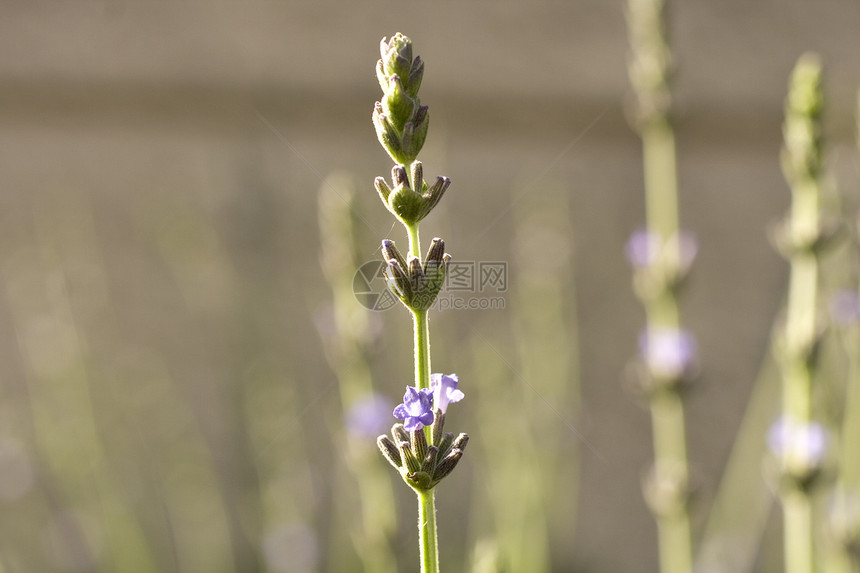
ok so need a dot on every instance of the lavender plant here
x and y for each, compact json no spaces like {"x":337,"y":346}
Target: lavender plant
{"x":799,"y":441}
{"x":419,"y":448}
{"x":661,"y":255}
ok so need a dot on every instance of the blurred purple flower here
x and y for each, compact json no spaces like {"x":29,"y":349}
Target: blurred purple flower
{"x":445,"y":390}
{"x":845,"y":307}
{"x":416,"y":411}
{"x":368,"y":416}
{"x":806,"y":441}
{"x":668,"y":352}
{"x":644,"y":248}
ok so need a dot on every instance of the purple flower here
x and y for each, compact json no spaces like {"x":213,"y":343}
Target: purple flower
{"x":445,"y":390}
{"x":807,"y":442}
{"x":668,"y":352}
{"x":416,"y":411}
{"x":845,"y":307}
{"x":368,"y":416}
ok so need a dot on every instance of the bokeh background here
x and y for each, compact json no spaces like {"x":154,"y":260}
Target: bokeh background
{"x":171,"y":381}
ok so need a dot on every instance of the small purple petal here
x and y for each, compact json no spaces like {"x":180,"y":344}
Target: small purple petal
{"x":400,"y":412}
{"x":416,"y":410}
{"x":445,"y":390}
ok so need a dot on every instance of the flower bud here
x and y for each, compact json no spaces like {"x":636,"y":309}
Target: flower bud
{"x":412,"y":463}
{"x":382,"y":188}
{"x":434,"y":254}
{"x":446,"y":442}
{"x":390,"y":252}
{"x":399,"y":433}
{"x":429,"y":463}
{"x":460,"y":442}
{"x":448,"y":463}
{"x":418,"y":177}
{"x":397,"y":280}
{"x":419,"y":443}
{"x":389,"y":450}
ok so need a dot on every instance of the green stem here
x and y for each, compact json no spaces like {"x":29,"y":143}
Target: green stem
{"x":798,"y":530}
{"x":421,"y":327}
{"x":422,"y":348}
{"x":670,"y":453}
{"x":661,"y":184}
{"x":426,"y":499}
{"x":414,"y":241}
{"x":427,"y":531}
{"x":798,"y":533}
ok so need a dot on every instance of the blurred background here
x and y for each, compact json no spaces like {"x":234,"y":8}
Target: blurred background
{"x":181,"y":356}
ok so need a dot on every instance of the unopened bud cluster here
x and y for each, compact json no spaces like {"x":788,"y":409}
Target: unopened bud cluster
{"x":423,"y":465}
{"x":401,"y":121}
{"x":416,"y":285}
{"x":410,"y":202}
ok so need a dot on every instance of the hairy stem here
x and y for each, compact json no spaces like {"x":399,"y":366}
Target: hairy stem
{"x":427,"y":531}
{"x":414,"y":240}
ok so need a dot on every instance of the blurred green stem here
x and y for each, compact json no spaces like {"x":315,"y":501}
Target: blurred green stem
{"x":660,"y":168}
{"x":797,"y":397}
{"x":667,"y":409}
{"x":650,"y":71}
{"x":799,"y":554}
